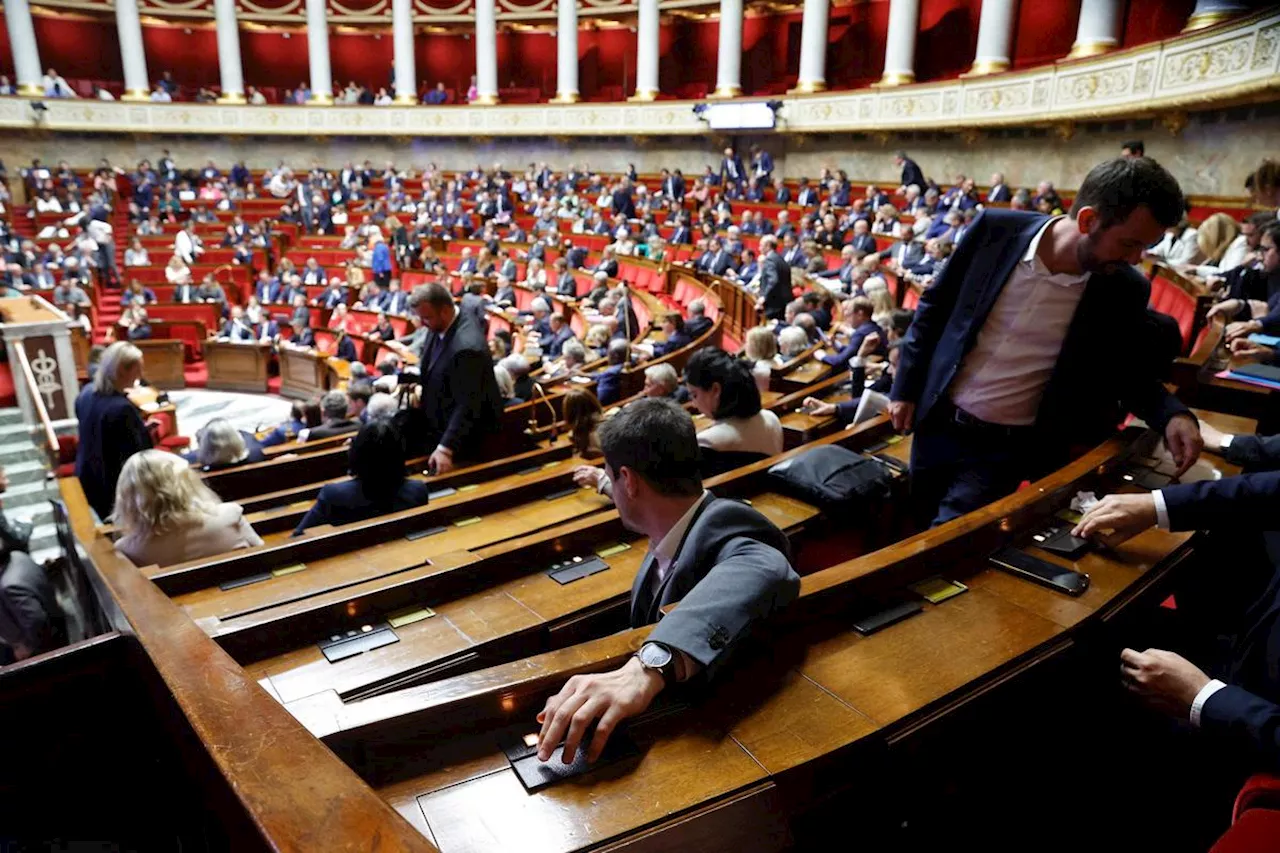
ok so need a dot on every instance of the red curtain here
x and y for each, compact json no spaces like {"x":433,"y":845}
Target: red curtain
{"x":183,"y":51}
{"x":948,"y":37}
{"x":1044,"y":32}
{"x":1151,"y":20}
{"x":365,"y":58}
{"x":446,"y":58}
{"x":855,"y":44}
{"x":276,"y":59}
{"x":80,"y":48}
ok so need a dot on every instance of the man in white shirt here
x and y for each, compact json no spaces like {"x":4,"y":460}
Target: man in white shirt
{"x":187,"y":245}
{"x":1243,"y":249}
{"x":1034,"y":341}
{"x":55,"y":86}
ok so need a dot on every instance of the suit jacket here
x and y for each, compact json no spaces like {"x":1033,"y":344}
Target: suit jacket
{"x":609,"y":384}
{"x":1255,"y":452}
{"x":906,"y":254}
{"x":186,"y":293}
{"x":381,"y":260}
{"x":269,"y":292}
{"x":911,"y":174}
{"x":345,"y":502}
{"x":730,"y":572}
{"x":460,"y":398}
{"x":731,"y":170}
{"x":1000,"y":192}
{"x":111,"y":430}
{"x":698,"y":327}
{"x":840,"y":360}
{"x":775,"y":285}
{"x":329,"y":430}
{"x":567,"y":285}
{"x":673,"y":343}
{"x":863,"y":243}
{"x":623,"y":203}
{"x":29,"y":611}
{"x":1091,"y":386}
{"x":719,"y":263}
{"x":222,"y":530}
{"x":553,"y":345}
{"x":347,"y":350}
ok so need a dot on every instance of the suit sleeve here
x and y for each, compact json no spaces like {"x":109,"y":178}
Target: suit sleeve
{"x":316,"y":516}
{"x":1256,"y":452}
{"x":1142,"y":391}
{"x":841,"y":358}
{"x":932,"y":314}
{"x":1245,"y":717}
{"x":466,"y":385}
{"x":1245,"y":502}
{"x":750,"y":582}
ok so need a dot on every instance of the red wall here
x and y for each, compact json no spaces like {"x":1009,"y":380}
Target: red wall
{"x":88,"y":48}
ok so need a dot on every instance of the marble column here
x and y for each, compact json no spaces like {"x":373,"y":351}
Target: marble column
{"x":486,"y":52}
{"x":813,"y":47}
{"x":900,"y":43}
{"x":22,"y":41}
{"x":405,"y":64}
{"x":229,"y":67}
{"x":647,"y":34}
{"x":995,"y":36}
{"x":566,"y":52}
{"x":137,"y":86}
{"x":1208,"y":13}
{"x":1099,"y":29}
{"x":318,"y":52}
{"x":729,"y":54}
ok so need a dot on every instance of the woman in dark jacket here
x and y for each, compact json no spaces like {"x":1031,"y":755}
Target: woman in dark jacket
{"x":111,"y":430}
{"x":378,"y":483}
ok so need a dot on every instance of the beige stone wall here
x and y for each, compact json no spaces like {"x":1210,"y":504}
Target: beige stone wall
{"x":1211,"y":156}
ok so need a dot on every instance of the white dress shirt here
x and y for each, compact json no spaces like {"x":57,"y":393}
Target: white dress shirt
{"x":1004,"y":376}
{"x":664,"y":553}
{"x":1177,"y":248}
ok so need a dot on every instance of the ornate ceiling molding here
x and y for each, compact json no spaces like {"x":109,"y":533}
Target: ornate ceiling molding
{"x":1235,"y":64}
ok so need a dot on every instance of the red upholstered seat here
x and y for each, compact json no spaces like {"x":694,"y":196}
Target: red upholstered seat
{"x":1261,"y":791}
{"x":910,"y":299}
{"x":1168,"y":298}
{"x":1257,"y":831}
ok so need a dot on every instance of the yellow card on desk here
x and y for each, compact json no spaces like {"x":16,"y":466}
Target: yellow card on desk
{"x":288,"y":570}
{"x":407,"y":617}
{"x":610,"y":550}
{"x":893,"y":439}
{"x":937,"y":590}
{"x":463,"y":522}
{"x":469,"y":488}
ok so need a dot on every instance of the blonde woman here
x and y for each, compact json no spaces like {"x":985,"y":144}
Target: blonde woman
{"x":760,"y":350}
{"x":177,"y":271}
{"x":1214,"y":236}
{"x":166,"y":515}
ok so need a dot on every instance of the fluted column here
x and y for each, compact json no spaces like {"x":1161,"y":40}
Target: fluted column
{"x":566,"y":52}
{"x":486,"y":52}
{"x":900,"y":43}
{"x":647,"y":52}
{"x":813,"y":47}
{"x":318,"y":52}
{"x":137,"y":86}
{"x":405,"y":64}
{"x":230,"y":69}
{"x":729,"y":61}
{"x":1207,"y":13}
{"x":22,"y":41}
{"x":1098,"y":30}
{"x":995,"y":36}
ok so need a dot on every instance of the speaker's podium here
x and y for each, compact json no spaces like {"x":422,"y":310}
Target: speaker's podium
{"x":237,"y":366}
{"x":304,"y":373}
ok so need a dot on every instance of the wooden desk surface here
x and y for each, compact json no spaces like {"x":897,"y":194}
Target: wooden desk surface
{"x":29,"y":309}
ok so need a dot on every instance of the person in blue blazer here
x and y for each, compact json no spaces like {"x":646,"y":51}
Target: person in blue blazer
{"x":379,"y":484}
{"x":677,"y":337}
{"x":857,"y":314}
{"x":345,"y":348}
{"x":609,"y":380}
{"x":1004,"y":371}
{"x":267,"y":288}
{"x":380,"y":263}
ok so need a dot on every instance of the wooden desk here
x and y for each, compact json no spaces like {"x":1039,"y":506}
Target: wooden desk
{"x":237,"y":366}
{"x":162,"y":362}
{"x":303,"y":373}
{"x":147,"y":400}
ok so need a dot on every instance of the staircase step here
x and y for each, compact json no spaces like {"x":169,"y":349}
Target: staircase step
{"x":36,"y":513}
{"x":27,"y":471}
{"x":26,"y":494}
{"x":15,"y":452}
{"x":11,"y":416}
{"x":43,"y":536}
{"x":14,"y":432}
{"x":45,"y":555}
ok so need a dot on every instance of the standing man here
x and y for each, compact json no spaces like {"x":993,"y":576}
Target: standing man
{"x":1031,"y":342}
{"x":731,"y":169}
{"x":775,"y":279}
{"x":911,"y":173}
{"x":460,"y":400}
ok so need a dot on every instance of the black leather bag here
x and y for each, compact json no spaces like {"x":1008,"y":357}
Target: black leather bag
{"x":832,"y":477}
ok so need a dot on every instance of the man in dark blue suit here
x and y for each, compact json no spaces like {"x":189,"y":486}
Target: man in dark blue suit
{"x":623,"y":202}
{"x":677,"y":337}
{"x":731,"y":169}
{"x":761,"y":164}
{"x":1030,"y":341}
{"x":267,"y":289}
{"x":911,"y":173}
{"x":609,"y":380}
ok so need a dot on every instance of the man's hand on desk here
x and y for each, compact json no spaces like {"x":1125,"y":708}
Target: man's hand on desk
{"x":1123,"y":515}
{"x":1245,"y":348}
{"x":1166,"y":681}
{"x":1242,"y":329}
{"x":610,"y":697}
{"x":1182,"y":437}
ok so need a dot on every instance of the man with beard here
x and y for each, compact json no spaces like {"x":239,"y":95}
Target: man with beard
{"x":1031,"y":344}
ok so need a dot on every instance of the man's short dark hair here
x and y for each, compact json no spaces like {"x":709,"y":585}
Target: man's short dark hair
{"x":432,"y":293}
{"x":655,"y":438}
{"x":360,"y":392}
{"x":900,"y":320}
{"x":1260,"y":219}
{"x":334,"y":405}
{"x":739,"y":394}
{"x":1116,"y":188}
{"x":1135,"y":147}
{"x":901,"y":155}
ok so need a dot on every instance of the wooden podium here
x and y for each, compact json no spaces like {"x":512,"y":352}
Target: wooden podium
{"x":162,"y":363}
{"x":303,"y":373}
{"x":237,"y":366}
{"x":43,"y":333}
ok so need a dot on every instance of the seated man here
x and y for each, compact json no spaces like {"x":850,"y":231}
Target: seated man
{"x":333,"y":409}
{"x":237,"y":328}
{"x":724,"y":562}
{"x":609,"y":380}
{"x":677,"y":337}
{"x":697,"y":324}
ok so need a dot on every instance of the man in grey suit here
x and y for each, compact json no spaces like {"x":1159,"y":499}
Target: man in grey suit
{"x":775,"y":279}
{"x":724,"y":562}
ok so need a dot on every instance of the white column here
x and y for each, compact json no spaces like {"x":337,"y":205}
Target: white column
{"x":1098,"y":30}
{"x":566,"y":52}
{"x":1208,"y":13}
{"x":900,"y":43}
{"x":729,"y":61}
{"x":647,"y":52}
{"x":406,"y":64}
{"x":318,"y":52}
{"x":995,"y":36}
{"x":486,"y":52}
{"x":229,"y":68}
{"x":813,"y":47}
{"x":137,"y":86}
{"x":22,"y":41}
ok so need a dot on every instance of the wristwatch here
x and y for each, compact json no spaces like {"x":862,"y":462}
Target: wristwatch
{"x":658,"y":657}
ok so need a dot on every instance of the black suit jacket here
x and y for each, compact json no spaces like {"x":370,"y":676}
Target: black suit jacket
{"x":698,"y":327}
{"x":341,"y":427}
{"x":111,"y":430}
{"x":863,"y":243}
{"x":730,"y":572}
{"x":999,"y":193}
{"x":1092,"y":385}
{"x":343,"y":503}
{"x":460,"y":398}
{"x":911,"y":174}
{"x":775,"y":286}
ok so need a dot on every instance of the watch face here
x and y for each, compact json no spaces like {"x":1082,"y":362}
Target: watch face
{"x":654,"y":656}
